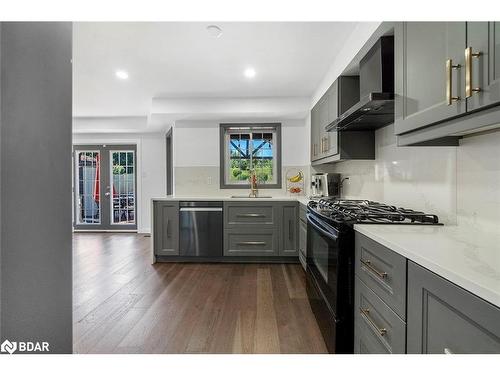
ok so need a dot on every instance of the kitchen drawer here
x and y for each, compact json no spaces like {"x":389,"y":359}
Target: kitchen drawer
{"x":259,"y":243}
{"x":377,"y":329}
{"x":302,"y":213}
{"x":383,"y":271}
{"x":250,"y":213}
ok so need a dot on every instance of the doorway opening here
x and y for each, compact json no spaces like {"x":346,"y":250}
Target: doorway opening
{"x":105,"y":188}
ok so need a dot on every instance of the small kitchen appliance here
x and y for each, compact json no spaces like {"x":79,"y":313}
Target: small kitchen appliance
{"x":325,"y":185}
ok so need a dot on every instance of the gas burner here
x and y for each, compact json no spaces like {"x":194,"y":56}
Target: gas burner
{"x":366,"y":211}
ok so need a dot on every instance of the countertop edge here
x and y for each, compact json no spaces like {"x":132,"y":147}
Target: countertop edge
{"x":471,"y":286}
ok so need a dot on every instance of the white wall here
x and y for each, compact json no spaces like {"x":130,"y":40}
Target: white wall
{"x":353,"y":44}
{"x":197,"y":156}
{"x":196,"y":143}
{"x":151,"y":167}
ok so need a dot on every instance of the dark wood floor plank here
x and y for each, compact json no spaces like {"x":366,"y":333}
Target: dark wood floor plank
{"x":123,"y":304}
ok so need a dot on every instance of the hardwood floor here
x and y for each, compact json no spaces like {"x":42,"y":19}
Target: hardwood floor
{"x":123,"y":304}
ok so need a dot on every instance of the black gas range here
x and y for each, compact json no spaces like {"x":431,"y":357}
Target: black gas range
{"x":330,"y":260}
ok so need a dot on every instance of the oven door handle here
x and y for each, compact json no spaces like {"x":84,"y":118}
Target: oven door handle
{"x":316,"y":226}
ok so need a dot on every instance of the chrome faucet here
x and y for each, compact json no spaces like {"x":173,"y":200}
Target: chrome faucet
{"x":254,"y":192}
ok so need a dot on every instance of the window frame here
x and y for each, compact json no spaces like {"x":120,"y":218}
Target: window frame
{"x":223,"y":151}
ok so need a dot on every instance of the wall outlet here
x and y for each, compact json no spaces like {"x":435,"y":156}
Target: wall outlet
{"x":209,"y":180}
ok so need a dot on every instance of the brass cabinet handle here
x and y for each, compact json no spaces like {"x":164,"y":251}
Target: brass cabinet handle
{"x":251,"y":215}
{"x":468,"y":72}
{"x":449,"y":82}
{"x":368,"y":265}
{"x":366,"y":314}
{"x":252,"y":243}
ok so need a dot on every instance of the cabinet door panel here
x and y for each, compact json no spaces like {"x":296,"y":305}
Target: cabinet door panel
{"x":444,"y":318}
{"x":166,"y":228}
{"x":422,"y":49}
{"x":484,"y":38}
{"x":290,"y":231}
{"x":315,"y":133}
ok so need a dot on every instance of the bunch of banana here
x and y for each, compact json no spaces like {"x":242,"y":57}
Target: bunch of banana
{"x":298,"y":177}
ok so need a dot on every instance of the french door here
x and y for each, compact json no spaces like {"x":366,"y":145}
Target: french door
{"x":105,"y":187}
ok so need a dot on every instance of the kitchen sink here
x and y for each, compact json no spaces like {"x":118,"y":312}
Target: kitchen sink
{"x":246,"y":196}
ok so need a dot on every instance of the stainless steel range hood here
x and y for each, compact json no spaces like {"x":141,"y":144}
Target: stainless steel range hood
{"x":376,"y":78}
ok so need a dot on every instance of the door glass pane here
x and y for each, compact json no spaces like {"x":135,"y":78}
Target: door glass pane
{"x":87,"y":180}
{"x":123,"y":187}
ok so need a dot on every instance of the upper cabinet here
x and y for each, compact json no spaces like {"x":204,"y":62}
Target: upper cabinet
{"x":429,"y":79}
{"x":447,"y":80}
{"x":331,"y":146}
{"x":482,"y":63}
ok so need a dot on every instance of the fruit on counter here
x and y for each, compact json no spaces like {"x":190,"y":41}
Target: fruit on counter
{"x":298,"y":177}
{"x":295,"y":190}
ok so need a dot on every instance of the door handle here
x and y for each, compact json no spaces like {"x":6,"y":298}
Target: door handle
{"x":468,"y":72}
{"x":368,"y":265}
{"x":290,"y":230}
{"x":366,"y":314}
{"x":449,"y":82}
{"x":168,"y":228}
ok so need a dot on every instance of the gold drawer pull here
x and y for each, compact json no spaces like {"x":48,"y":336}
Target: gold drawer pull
{"x":368,"y":265}
{"x":366,"y":314}
{"x":468,"y":72}
{"x":251,"y":215}
{"x":449,"y":82}
{"x":255,"y":243}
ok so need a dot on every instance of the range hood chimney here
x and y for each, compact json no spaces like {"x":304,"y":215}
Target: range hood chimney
{"x":376,"y":85}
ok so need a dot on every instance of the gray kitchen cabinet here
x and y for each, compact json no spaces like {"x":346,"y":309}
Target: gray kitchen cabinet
{"x":302,"y":242}
{"x":377,"y":329}
{"x":315,"y":129}
{"x":251,"y":242}
{"x":262,"y":229}
{"x":444,"y":318}
{"x":327,"y":147}
{"x":383,"y":271}
{"x":250,"y":213}
{"x":429,"y":73}
{"x":166,"y":227}
{"x":290,"y":230}
{"x":483,"y":56}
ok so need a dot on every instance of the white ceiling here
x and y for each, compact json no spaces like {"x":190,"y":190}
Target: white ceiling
{"x":181,"y":60}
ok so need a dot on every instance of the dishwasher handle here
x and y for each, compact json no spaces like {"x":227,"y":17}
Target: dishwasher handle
{"x":201,"y":209}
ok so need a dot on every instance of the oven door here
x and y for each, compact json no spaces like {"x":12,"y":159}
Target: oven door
{"x":323,"y":259}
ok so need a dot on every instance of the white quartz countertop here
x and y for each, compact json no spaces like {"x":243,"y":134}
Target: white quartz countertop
{"x":461,"y":255}
{"x":300,"y":199}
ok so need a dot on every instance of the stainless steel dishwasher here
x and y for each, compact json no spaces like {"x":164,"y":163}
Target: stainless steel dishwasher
{"x":200,"y":229}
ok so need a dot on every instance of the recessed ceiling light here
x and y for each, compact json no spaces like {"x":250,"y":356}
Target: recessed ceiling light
{"x":214,"y":31}
{"x":250,"y":72}
{"x":121,"y":74}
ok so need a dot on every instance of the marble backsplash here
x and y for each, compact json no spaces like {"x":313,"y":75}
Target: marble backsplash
{"x":204,"y":181}
{"x":459,"y":184}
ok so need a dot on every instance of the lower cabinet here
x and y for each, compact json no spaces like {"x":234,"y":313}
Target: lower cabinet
{"x":261,"y":228}
{"x":302,"y":237}
{"x":166,"y":227}
{"x":377,"y":329}
{"x":289,"y":229}
{"x":241,"y":242}
{"x":445,"y":319}
{"x":437,"y":317}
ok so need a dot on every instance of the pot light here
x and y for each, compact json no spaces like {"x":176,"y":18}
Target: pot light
{"x":214,"y":31}
{"x":121,"y":74}
{"x":250,"y":72}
